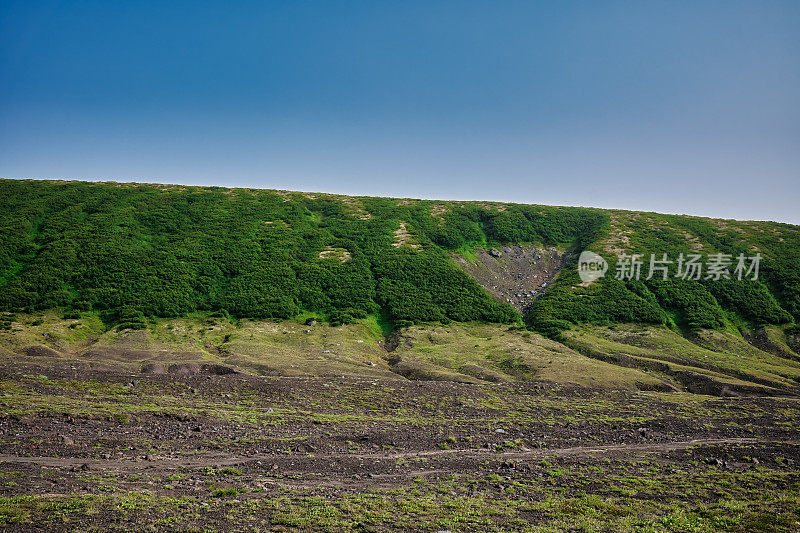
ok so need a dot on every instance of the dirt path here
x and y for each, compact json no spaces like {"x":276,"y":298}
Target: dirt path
{"x":223,"y":459}
{"x":575,"y":451}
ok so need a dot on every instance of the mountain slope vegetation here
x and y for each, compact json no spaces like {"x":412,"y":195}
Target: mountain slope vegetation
{"x":130,"y":252}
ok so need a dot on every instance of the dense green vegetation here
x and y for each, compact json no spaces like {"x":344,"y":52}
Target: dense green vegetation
{"x":132,"y":251}
{"x":680,"y":303}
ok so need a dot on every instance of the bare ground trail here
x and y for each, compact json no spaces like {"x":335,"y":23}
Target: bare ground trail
{"x":218,"y":459}
{"x":106,"y":451}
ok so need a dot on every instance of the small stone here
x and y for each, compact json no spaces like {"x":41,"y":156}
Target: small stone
{"x":500,"y":431}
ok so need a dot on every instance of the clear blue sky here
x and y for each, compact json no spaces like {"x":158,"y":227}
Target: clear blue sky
{"x":688,"y":107}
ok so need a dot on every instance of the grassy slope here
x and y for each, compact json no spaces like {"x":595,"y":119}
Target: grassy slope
{"x":129,"y":250}
{"x":489,"y":352}
{"x":466,"y":352}
{"x":456,"y":352}
{"x":132,"y":253}
{"x":723,"y":356}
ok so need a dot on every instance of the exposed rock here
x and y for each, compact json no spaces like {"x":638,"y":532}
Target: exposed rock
{"x":517,"y":279}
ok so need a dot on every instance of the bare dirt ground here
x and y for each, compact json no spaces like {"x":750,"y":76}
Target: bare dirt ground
{"x":117,"y":451}
{"x":514,"y":274}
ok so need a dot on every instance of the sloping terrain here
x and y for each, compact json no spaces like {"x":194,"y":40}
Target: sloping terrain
{"x":476,"y":353}
{"x":184,"y":278}
{"x":716,"y":363}
{"x":488,"y":353}
{"x":514,"y":274}
{"x":134,"y":251}
{"x":631,"y":357}
{"x":205,"y":359}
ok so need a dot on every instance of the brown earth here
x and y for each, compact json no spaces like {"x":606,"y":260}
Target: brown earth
{"x":213,"y":444}
{"x":514,"y":274}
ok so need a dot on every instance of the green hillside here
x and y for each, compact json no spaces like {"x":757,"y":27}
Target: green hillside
{"x":134,"y":251}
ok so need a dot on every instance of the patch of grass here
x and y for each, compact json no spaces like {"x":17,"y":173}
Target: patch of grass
{"x":225,"y":491}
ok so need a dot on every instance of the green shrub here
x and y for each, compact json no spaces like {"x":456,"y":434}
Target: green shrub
{"x":136,"y":251}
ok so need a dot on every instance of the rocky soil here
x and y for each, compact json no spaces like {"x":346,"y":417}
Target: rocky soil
{"x":514,"y":274}
{"x":175,"y":452}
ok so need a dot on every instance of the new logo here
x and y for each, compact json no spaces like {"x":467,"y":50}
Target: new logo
{"x":591,"y":266}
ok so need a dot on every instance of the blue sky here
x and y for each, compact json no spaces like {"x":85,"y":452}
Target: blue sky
{"x":681,"y":107}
